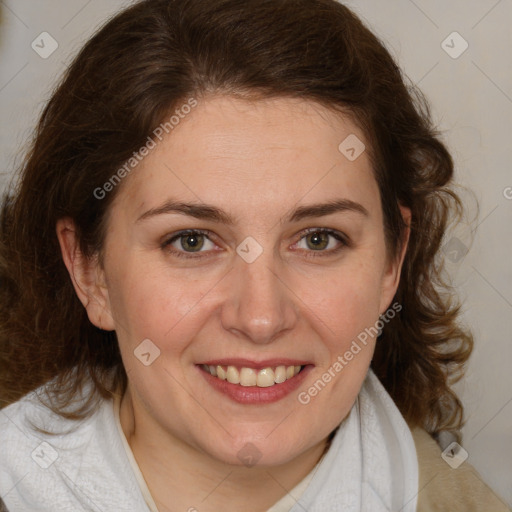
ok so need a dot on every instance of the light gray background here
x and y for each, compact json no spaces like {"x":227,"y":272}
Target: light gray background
{"x":471,"y":98}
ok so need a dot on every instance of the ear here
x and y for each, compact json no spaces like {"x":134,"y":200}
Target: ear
{"x":391,"y":276}
{"x":87,"y":276}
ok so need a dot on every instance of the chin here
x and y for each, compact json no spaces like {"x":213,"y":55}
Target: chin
{"x":262,"y":451}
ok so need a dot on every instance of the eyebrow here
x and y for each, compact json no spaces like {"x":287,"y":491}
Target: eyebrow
{"x":214,"y":214}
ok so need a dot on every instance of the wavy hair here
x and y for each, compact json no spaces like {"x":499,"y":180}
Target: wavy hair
{"x":123,"y":83}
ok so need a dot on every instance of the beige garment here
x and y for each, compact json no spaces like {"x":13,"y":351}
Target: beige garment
{"x":133,"y":463}
{"x":441,"y":488}
{"x":444,"y":489}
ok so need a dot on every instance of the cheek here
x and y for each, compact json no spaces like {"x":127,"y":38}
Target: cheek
{"x":348,"y":298}
{"x":157,"y":304}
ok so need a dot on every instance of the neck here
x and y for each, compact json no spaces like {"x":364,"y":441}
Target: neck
{"x":182,"y":478}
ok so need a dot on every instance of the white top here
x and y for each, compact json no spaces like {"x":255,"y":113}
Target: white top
{"x":371,"y":464}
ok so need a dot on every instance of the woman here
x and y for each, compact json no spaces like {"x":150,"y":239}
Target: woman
{"x":219,"y":279}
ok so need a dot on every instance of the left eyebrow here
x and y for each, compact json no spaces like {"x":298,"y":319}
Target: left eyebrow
{"x":212,"y":213}
{"x":324,"y":209}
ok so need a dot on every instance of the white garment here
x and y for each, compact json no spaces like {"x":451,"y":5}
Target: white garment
{"x":371,"y":465}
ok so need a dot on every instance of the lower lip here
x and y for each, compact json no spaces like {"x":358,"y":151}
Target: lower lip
{"x":255,"y":394}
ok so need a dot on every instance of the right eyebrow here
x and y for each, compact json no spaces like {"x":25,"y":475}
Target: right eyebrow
{"x":215,"y":214}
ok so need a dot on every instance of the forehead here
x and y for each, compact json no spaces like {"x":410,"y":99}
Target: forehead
{"x":254,"y":155}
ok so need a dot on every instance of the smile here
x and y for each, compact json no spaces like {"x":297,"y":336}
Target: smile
{"x":245,"y":376}
{"x":250,"y":382}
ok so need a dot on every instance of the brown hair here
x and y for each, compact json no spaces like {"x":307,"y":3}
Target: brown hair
{"x":123,"y":83}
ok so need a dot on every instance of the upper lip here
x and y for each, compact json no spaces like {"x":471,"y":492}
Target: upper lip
{"x":257,"y":365}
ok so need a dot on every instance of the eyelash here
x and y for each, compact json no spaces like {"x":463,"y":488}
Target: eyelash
{"x":182,"y":254}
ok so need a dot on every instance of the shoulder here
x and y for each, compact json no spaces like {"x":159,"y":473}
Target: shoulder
{"x":34,"y":464}
{"x":443,"y":488}
{"x":81,"y":464}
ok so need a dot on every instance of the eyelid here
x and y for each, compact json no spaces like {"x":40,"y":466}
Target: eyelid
{"x":339,"y":236}
{"x":176,"y":236}
{"x":312,"y":255}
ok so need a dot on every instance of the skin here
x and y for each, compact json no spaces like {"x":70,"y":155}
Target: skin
{"x":257,"y":161}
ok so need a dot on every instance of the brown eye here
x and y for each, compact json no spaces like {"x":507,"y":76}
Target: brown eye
{"x":188,"y":244}
{"x":317,"y":240}
{"x":192,"y":242}
{"x":324,"y":242}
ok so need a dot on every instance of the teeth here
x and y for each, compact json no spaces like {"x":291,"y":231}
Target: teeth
{"x":221,"y":373}
{"x":280,"y":374}
{"x":266,"y":378}
{"x":232,"y":375}
{"x":263,"y":378}
{"x":248,"y":377}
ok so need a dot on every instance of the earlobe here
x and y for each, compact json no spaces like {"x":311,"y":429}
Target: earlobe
{"x":86,"y":275}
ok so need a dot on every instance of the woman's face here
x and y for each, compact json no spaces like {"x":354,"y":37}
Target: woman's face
{"x":254,"y":293}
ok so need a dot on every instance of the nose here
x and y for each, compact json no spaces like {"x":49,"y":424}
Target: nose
{"x":260,"y":305}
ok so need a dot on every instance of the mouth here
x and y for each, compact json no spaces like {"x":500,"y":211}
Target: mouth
{"x":247,"y":376}
{"x":249,"y":382}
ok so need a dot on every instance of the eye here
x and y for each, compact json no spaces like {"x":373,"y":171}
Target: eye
{"x":188,"y":242}
{"x":317,"y":240}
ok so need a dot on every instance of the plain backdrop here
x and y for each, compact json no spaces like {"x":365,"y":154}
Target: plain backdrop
{"x":470,"y":90}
